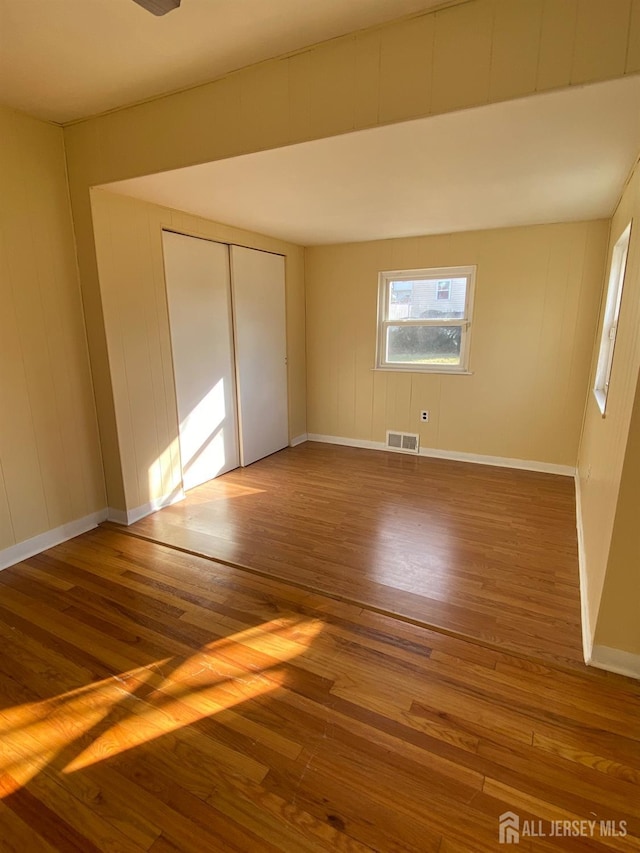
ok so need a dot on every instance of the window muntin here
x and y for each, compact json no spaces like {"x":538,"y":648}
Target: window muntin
{"x":611,"y":315}
{"x":424,"y":319}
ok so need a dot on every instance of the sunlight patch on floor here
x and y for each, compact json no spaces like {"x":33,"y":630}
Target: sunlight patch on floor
{"x":95,"y":722}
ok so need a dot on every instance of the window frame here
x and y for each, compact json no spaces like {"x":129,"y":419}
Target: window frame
{"x":611,"y":318}
{"x":465,"y":323}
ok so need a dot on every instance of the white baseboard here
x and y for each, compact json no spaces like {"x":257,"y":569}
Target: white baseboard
{"x":130,"y":516}
{"x":23,"y":550}
{"x":454,"y":455}
{"x":501,"y":462}
{"x":615,"y":660}
{"x":585,"y":621}
{"x":299,"y":439}
{"x":347,"y":442}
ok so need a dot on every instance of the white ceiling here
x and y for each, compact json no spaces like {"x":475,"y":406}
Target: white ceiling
{"x":62,"y":60}
{"x":550,"y":158}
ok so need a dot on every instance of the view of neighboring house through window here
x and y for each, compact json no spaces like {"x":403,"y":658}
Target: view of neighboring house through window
{"x":424,"y":319}
{"x":611,"y":315}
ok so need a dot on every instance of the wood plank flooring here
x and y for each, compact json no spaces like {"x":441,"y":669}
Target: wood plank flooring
{"x":482,"y":552}
{"x":386,"y":659}
{"x":154,"y":700}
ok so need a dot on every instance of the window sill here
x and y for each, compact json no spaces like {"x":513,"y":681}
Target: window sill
{"x":415,"y":369}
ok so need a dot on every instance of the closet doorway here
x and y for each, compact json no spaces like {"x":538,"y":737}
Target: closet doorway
{"x":228,"y":336}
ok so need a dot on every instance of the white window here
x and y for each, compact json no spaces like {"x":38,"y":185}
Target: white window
{"x":424,"y":319}
{"x":611,"y":314}
{"x":444,"y":290}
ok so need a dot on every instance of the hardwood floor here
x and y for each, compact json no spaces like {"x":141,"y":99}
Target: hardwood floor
{"x":155,"y":700}
{"x":487,"y":553}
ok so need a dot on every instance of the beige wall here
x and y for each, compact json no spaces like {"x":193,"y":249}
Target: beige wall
{"x":130,"y":262}
{"x":50,"y":472}
{"x":612,"y":561}
{"x":618,"y":625}
{"x":392,"y":73}
{"x":536,"y":303}
{"x":386,"y":74}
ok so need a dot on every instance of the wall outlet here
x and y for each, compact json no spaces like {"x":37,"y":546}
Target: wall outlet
{"x":424,"y":416}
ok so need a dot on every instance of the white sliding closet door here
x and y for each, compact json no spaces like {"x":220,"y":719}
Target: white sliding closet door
{"x":199,"y":299}
{"x":261,"y":351}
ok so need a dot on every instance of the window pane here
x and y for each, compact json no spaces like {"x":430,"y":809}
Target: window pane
{"x":429,"y":299}
{"x":424,"y":344}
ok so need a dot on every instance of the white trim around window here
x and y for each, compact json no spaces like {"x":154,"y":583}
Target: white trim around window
{"x":412,"y":300}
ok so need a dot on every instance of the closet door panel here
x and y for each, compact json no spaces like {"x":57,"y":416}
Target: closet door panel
{"x":258,"y":284}
{"x":199,"y":299}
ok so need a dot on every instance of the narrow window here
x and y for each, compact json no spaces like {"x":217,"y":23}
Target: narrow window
{"x":611,"y":315}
